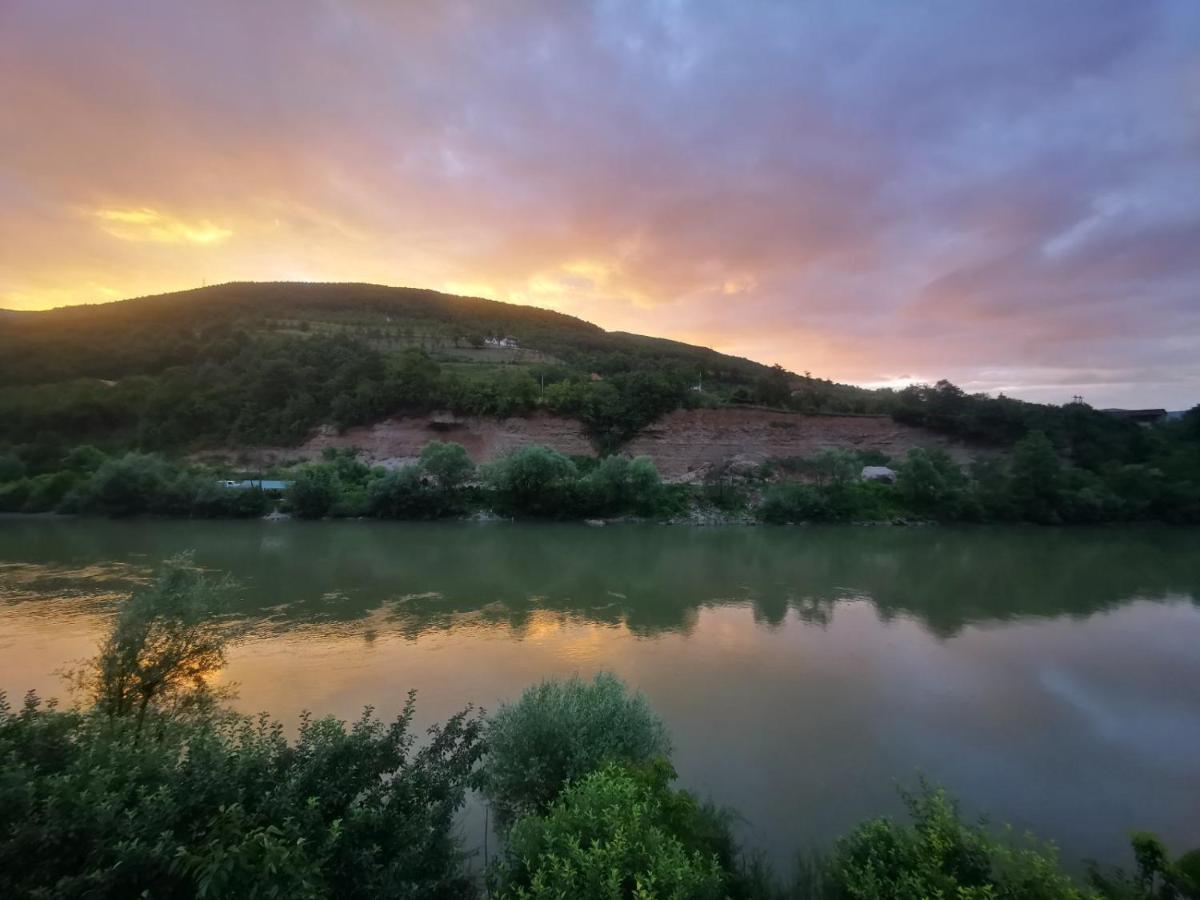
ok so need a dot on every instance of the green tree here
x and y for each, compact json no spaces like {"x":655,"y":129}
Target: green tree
{"x":164,"y":647}
{"x":931,"y":482}
{"x":607,"y":837}
{"x":559,"y":731}
{"x":128,"y":485}
{"x":939,"y":855}
{"x":1037,"y":478}
{"x":533,"y":480}
{"x":314,"y":490}
{"x":1158,"y":877}
{"x":619,"y":484}
{"x":11,"y":467}
{"x":403,"y":494}
{"x":447,"y":463}
{"x":230,"y":808}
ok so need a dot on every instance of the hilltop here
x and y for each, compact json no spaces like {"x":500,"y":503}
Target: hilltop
{"x":250,"y":364}
{"x":110,"y":340}
{"x":246,"y":365}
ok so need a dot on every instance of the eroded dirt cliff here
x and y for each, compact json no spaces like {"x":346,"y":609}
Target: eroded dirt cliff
{"x":690,"y":441}
{"x":684,"y":445}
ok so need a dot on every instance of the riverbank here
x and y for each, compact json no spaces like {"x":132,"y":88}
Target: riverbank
{"x":532,"y":481}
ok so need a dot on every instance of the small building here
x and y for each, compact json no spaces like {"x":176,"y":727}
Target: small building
{"x":268,"y":485}
{"x":882,"y":474}
{"x":509,"y":343}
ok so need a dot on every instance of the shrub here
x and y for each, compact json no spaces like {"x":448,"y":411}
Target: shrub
{"x":1158,"y":877}
{"x":216,"y":804}
{"x":403,"y":494}
{"x":789,"y":503}
{"x":938,"y":855}
{"x":165,"y":643}
{"x":129,"y":485}
{"x":230,"y":808}
{"x":618,"y":484}
{"x":15,"y":494}
{"x":314,"y":491}
{"x":931,"y":482}
{"x":533,"y":480}
{"x":607,"y":837}
{"x":447,"y":463}
{"x":560,"y":730}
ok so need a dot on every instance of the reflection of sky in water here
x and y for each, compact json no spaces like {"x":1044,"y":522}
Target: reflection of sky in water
{"x":802,"y":674}
{"x":1161,"y":731}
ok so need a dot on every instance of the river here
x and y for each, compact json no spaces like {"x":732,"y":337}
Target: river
{"x":1049,"y":678}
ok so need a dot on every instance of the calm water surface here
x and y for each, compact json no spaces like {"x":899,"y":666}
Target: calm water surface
{"x":1049,"y":678}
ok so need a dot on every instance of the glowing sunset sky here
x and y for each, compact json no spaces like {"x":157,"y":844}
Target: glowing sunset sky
{"x":1006,"y":194}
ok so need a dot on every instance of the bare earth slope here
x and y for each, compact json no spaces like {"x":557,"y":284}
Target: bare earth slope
{"x":693,"y":440}
{"x":684,"y":445}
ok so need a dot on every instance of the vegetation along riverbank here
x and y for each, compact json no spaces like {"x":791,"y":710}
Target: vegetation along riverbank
{"x":151,"y":783}
{"x":1032,"y":484}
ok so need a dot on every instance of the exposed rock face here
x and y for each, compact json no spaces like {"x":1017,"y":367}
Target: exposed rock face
{"x":394,"y":441}
{"x":684,"y":445}
{"x":688,"y":442}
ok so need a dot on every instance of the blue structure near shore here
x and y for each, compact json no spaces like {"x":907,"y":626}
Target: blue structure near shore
{"x":263,"y":484}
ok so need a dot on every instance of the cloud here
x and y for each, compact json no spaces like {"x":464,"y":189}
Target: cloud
{"x":978,"y":192}
{"x":146,"y":224}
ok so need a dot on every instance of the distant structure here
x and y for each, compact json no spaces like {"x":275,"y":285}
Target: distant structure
{"x":504,"y":342}
{"x":878,"y":473}
{"x":263,"y":484}
{"x":1144,"y":417}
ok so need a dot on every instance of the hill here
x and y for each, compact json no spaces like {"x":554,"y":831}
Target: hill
{"x":257,"y":364}
{"x":286,"y":371}
{"x":265,"y":363}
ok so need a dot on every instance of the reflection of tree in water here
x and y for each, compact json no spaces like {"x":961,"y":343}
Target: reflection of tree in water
{"x":650,"y":579}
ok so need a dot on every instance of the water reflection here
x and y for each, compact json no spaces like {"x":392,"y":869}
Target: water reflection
{"x":417,"y":578}
{"x":1050,"y":678}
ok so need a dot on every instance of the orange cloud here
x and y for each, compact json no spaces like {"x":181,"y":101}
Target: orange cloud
{"x":144,"y":224}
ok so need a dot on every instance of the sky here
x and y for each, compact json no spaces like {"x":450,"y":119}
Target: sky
{"x":1004,"y":194}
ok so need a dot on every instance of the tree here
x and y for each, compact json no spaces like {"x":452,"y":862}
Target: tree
{"x":166,"y":643}
{"x":1037,"y":478}
{"x":608,"y":837}
{"x":447,"y":463}
{"x":402,"y":494}
{"x":314,"y":490}
{"x":931,"y":482}
{"x":938,"y":855}
{"x":620,"y":484}
{"x":1158,"y":877}
{"x":559,"y":731}
{"x":533,"y":480}
{"x":231,"y":808}
{"x":128,"y":485}
{"x":774,"y":387}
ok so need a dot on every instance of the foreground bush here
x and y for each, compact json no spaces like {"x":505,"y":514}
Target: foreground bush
{"x":157,"y":791}
{"x":610,"y":836}
{"x":229,"y":808}
{"x":939,"y":855}
{"x":560,"y":731}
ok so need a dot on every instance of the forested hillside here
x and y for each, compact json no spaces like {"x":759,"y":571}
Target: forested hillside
{"x":265,"y":363}
{"x":244,"y":365}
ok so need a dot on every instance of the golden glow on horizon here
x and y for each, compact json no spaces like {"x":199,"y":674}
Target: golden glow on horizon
{"x":149,"y":225}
